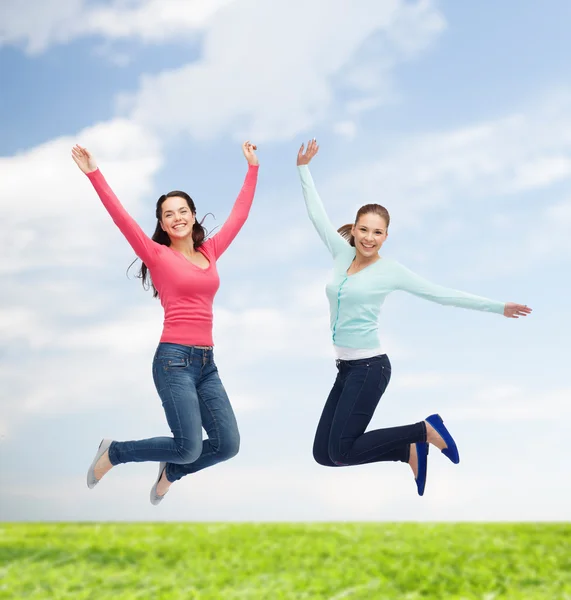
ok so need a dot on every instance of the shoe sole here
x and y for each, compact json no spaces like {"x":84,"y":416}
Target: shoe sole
{"x":421,"y":481}
{"x":155,"y":499}
{"x":91,"y":479}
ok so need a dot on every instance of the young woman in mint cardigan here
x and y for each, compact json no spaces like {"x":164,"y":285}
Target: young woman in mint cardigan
{"x":361,"y":281}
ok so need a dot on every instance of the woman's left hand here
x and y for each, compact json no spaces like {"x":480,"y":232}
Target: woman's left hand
{"x":83,"y":159}
{"x":248,"y":150}
{"x":514,"y":311}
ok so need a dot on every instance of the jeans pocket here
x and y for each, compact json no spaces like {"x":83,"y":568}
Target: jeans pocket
{"x":385,"y":377}
{"x":173,"y":361}
{"x":177,"y":362}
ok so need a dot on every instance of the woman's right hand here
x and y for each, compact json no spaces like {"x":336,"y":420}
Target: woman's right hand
{"x":305,"y":158}
{"x":83,"y":159}
{"x":249,"y":152}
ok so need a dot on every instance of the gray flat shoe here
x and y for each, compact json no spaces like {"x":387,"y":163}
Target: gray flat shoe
{"x":155,"y":499}
{"x":91,"y":480}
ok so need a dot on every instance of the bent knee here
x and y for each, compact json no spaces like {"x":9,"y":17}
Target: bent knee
{"x":229,"y":449}
{"x":187,"y":453}
{"x":337,"y":458}
{"x":322,"y":458}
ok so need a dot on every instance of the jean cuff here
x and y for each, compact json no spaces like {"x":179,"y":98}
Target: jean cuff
{"x":167,"y":474}
{"x":111,"y":451}
{"x":424,"y":434}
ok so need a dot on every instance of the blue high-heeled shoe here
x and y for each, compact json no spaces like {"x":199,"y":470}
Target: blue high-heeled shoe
{"x":422,"y":456}
{"x":451,"y":450}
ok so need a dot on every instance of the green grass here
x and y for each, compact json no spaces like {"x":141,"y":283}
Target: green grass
{"x":354,"y":561}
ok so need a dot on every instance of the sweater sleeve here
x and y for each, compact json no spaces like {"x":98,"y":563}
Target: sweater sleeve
{"x":221,"y":240}
{"x":316,"y":211}
{"x":410,"y":282}
{"x":143,"y":246}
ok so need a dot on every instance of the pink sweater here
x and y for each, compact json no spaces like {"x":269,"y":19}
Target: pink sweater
{"x":186,"y":291}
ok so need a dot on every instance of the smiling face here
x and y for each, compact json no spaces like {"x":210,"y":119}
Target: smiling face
{"x":177,"y":218}
{"x":370,"y":233}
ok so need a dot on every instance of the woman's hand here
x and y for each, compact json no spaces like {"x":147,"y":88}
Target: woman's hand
{"x":312,"y":149}
{"x":248,"y":150}
{"x":514,"y":311}
{"x":83,"y":159}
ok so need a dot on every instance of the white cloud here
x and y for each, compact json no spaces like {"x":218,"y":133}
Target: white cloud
{"x":550,"y":236}
{"x":106,"y":366}
{"x":249,"y":333}
{"x":258,"y":493}
{"x":525,"y":239}
{"x":17,"y":323}
{"x":108,"y":349}
{"x":505,"y":156}
{"x":308,"y":492}
{"x":258,"y":333}
{"x":133,"y":332}
{"x":151,"y":20}
{"x":503,"y":166}
{"x":510,"y":402}
{"x":52,"y":215}
{"x":279,"y":79}
{"x":381,"y":492}
{"x":39,"y":24}
{"x":541,"y":172}
{"x":346,"y":129}
{"x":270,"y":86}
{"x":422,"y":381}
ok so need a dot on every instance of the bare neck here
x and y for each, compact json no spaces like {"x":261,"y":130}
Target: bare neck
{"x":364,"y":261}
{"x":184,"y":246}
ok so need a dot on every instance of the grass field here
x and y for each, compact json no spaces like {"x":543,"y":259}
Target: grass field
{"x":354,"y":561}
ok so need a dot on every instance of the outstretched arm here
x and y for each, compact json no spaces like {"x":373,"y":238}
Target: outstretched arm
{"x":143,"y":246}
{"x":241,"y":208}
{"x":315,"y":209}
{"x":411,"y":282}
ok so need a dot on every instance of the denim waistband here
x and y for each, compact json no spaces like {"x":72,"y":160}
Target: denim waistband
{"x":362,"y":361}
{"x":202,"y":351}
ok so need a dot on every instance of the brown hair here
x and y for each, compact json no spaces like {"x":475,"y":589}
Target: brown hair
{"x":376,"y":209}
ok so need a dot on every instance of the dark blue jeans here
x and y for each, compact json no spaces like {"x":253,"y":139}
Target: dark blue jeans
{"x":193,"y":397}
{"x":340,"y":439}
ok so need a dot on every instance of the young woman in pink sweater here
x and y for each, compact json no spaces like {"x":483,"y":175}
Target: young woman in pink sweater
{"x":182,"y":269}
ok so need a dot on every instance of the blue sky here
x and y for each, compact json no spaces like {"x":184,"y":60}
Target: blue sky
{"x":454,"y":116}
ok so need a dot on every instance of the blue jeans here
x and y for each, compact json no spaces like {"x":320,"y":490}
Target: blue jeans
{"x":193,"y":397}
{"x":340,"y":439}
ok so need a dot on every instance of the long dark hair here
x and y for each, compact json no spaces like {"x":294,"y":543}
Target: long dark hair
{"x":199,"y":234}
{"x":376,"y":209}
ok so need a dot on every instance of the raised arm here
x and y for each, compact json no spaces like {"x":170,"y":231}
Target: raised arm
{"x":315,"y":209}
{"x":143,"y":246}
{"x":220,"y":241}
{"x":405,"y":279}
